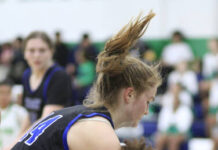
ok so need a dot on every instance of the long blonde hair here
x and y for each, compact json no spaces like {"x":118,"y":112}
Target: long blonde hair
{"x":117,"y":70}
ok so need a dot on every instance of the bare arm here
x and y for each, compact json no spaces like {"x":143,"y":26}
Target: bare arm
{"x":25,"y":124}
{"x":49,"y":109}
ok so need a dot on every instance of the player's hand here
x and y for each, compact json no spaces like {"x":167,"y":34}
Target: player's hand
{"x":136,"y":144}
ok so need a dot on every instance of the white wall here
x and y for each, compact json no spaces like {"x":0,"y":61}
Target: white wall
{"x":102,"y":18}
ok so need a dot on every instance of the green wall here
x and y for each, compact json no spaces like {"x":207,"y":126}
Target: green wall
{"x":198,"y":45}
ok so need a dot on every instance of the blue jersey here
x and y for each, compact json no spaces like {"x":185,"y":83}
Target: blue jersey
{"x":51,"y":132}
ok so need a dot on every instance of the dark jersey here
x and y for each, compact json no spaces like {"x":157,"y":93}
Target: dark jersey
{"x":51,"y":132}
{"x":55,"y":88}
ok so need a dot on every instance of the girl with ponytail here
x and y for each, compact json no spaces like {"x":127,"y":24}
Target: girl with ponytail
{"x":119,"y":98}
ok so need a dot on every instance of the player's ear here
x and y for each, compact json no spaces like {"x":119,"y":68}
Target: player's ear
{"x":128,"y":94}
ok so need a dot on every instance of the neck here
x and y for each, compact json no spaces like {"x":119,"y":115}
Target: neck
{"x":115,"y":118}
{"x":118,"y":118}
{"x":40,"y":72}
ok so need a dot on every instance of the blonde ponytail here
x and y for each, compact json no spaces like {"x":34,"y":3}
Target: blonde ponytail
{"x":116,"y":70}
{"x":117,"y":48}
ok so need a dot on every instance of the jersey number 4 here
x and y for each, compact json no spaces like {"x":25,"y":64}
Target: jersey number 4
{"x":38,"y":130}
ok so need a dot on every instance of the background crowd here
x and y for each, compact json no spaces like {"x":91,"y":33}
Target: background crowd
{"x":185,"y":108}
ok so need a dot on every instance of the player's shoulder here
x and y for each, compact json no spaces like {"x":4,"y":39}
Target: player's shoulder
{"x":60,"y":75}
{"x":59,"y":71}
{"x":96,"y":135}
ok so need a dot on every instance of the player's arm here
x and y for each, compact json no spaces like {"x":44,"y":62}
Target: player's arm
{"x":25,"y":124}
{"x":49,"y":109}
{"x":58,"y":94}
{"x":92,"y":135}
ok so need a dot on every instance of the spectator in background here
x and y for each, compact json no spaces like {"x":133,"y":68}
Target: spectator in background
{"x":186,"y":77}
{"x":184,"y":96}
{"x":196,"y":66}
{"x":198,"y":99}
{"x":61,"y":50}
{"x":210,"y":60}
{"x":209,"y":69}
{"x":90,"y":49}
{"x":174,"y":53}
{"x":13,"y":116}
{"x":6,"y":57}
{"x":174,"y":120}
{"x":85,"y":45}
{"x":46,"y":85}
{"x":211,"y":119}
{"x":18,"y":63}
{"x":18,"y":49}
{"x":85,"y":74}
{"x":142,"y":50}
{"x":177,"y":51}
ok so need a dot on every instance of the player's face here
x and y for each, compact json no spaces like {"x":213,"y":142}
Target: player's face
{"x":38,"y":54}
{"x":140,"y":106}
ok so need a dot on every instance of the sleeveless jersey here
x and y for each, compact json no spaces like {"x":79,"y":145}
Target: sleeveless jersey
{"x":51,"y":132}
{"x":34,"y":100}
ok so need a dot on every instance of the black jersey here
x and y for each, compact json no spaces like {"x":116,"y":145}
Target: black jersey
{"x":55,"y":88}
{"x":51,"y":132}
